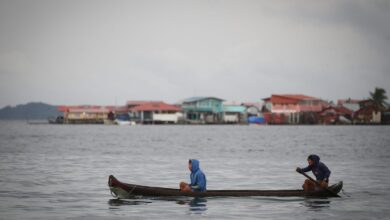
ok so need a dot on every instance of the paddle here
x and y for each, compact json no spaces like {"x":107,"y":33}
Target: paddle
{"x":318,"y":184}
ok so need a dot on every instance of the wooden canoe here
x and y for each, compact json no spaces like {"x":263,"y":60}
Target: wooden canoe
{"x":125,"y":191}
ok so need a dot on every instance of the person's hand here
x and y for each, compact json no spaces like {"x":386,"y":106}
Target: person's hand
{"x":187,"y":189}
{"x":299,"y":170}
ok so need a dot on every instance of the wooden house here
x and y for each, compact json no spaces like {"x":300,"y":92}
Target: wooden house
{"x":233,"y":114}
{"x":368,"y":113}
{"x":203,"y":110}
{"x":335,"y":115}
{"x":154,"y":112}
{"x":351,"y":104}
{"x":85,"y":114}
{"x":292,"y":109}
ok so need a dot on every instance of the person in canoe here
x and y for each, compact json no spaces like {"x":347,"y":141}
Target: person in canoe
{"x":198,"y":179}
{"x":320,"y":171}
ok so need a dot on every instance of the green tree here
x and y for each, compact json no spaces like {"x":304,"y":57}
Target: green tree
{"x":378,"y":98}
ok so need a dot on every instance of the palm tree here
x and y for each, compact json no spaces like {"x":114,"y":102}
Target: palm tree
{"x":378,"y":98}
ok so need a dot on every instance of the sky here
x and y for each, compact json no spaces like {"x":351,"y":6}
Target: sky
{"x":75,"y":52}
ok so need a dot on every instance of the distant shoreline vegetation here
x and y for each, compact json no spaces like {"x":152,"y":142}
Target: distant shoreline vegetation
{"x":29,"y":111}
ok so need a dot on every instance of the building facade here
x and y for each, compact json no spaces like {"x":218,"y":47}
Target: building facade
{"x":233,"y":114}
{"x":85,"y":114}
{"x":368,"y":113}
{"x":292,"y":109}
{"x":154,"y":112}
{"x":203,"y":110}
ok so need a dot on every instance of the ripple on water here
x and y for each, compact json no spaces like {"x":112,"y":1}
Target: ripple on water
{"x":58,"y":172}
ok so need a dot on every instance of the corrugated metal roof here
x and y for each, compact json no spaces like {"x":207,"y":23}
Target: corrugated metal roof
{"x":234,"y":108}
{"x":118,"y":108}
{"x":92,"y":108}
{"x":155,"y":106}
{"x":289,"y":98}
{"x":199,"y":98}
{"x":86,"y":109}
{"x":138,"y":102}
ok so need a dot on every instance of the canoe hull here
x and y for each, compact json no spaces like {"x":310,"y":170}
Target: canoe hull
{"x":125,"y":191}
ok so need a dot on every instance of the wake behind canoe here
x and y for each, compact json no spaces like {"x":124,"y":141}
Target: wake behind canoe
{"x":126,"y":190}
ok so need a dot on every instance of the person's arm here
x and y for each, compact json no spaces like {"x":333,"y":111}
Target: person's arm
{"x":202,"y":182}
{"x":199,"y":182}
{"x":195,"y":187}
{"x":303,"y":170}
{"x":194,"y":182}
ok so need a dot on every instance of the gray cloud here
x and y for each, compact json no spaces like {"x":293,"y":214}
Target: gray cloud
{"x":76,"y":52}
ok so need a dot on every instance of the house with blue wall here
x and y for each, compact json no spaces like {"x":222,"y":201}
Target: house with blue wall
{"x":203,"y":110}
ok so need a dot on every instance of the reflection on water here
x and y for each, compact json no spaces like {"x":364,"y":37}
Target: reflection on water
{"x":316,"y":204}
{"x":196,"y":205}
{"x":120,"y":202}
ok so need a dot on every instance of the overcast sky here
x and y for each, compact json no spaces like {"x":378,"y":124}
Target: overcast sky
{"x":108,"y":52}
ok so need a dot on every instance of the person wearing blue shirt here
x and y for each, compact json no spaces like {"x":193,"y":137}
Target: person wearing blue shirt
{"x":320,"y":171}
{"x":198,"y":178}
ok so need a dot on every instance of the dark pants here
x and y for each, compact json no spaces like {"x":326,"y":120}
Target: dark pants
{"x":309,"y":186}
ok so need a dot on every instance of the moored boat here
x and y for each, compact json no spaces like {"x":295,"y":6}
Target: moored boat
{"x":126,"y":190}
{"x":123,"y":122}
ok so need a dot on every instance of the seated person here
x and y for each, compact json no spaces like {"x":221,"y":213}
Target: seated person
{"x":198,"y":179}
{"x":319,"y":169}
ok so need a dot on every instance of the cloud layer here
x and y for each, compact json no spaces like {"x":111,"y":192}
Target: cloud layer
{"x":100,"y":52}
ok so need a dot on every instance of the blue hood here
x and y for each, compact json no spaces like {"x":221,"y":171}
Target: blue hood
{"x":314,"y":158}
{"x":195,"y":165}
{"x":198,"y":179}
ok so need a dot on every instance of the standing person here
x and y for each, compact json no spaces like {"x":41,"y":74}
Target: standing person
{"x":320,"y":171}
{"x":198,"y":179}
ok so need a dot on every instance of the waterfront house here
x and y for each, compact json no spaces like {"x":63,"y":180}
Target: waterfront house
{"x":368,"y":113}
{"x":117,"y":113}
{"x":154,"y":112}
{"x":252,"y":109}
{"x":335,"y":115}
{"x":351,"y":104}
{"x":253,"y":113}
{"x":203,"y":110}
{"x":233,"y":114}
{"x":85,"y":114}
{"x":292,"y":109}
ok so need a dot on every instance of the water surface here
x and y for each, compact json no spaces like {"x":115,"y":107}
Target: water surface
{"x":61,"y":171}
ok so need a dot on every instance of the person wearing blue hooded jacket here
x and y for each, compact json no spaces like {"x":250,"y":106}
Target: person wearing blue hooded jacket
{"x":320,"y":171}
{"x":198,"y":179}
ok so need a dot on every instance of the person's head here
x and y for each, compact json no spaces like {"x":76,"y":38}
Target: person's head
{"x":310,"y":162}
{"x":190,"y":164}
{"x":313,"y":159}
{"x":193,"y":165}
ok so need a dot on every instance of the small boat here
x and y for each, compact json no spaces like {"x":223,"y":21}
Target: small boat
{"x":123,"y":122}
{"x":125,"y":191}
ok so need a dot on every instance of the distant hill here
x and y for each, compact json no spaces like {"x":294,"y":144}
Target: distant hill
{"x":29,"y":111}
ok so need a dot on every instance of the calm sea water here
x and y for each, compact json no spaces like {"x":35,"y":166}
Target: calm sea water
{"x":61,"y":171}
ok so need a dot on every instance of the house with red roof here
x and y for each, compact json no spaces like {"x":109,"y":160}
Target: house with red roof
{"x":292,"y":109}
{"x":336,"y":115}
{"x":351,"y":104}
{"x":84,"y":114}
{"x":154,"y":112}
{"x":91,"y":114}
